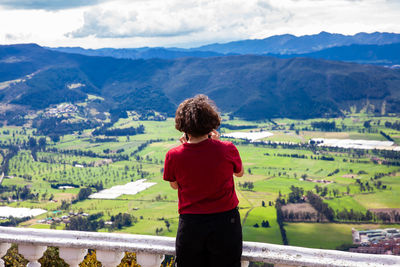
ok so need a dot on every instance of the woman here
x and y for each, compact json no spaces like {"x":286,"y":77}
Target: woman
{"x":202,"y":169}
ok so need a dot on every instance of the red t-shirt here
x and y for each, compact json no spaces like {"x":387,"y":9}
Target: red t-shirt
{"x":204,"y":173}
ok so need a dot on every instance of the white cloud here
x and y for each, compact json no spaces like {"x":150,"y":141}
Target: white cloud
{"x":135,"y":23}
{"x":124,"y":24}
{"x":46,"y":4}
{"x":16,"y":37}
{"x":208,"y":20}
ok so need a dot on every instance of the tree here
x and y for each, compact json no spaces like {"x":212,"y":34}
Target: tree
{"x":42,"y":143}
{"x":55,"y":138}
{"x":324,"y":192}
{"x":84,"y":193}
{"x":324,"y":126}
{"x":335,"y":192}
{"x":158,"y":231}
{"x":265,"y":224}
{"x":296,"y":194}
{"x":250,"y":186}
{"x":32,"y":143}
{"x":13,"y":258}
{"x":368,"y":215}
{"x":167,"y":224}
{"x":320,"y":206}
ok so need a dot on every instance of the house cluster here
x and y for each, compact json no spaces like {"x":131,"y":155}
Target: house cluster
{"x":378,"y":241}
{"x":62,"y":219}
{"x":316,"y":181}
{"x":61,"y":109}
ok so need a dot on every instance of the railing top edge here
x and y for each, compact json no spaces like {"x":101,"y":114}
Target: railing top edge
{"x":82,"y":234}
{"x":252,"y":251}
{"x":93,"y":244}
{"x":300,"y":256}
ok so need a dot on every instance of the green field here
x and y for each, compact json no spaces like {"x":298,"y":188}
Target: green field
{"x":80,"y":160}
{"x":325,"y":235}
{"x":261,"y":234}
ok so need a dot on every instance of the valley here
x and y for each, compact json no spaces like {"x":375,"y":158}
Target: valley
{"x":59,"y":174}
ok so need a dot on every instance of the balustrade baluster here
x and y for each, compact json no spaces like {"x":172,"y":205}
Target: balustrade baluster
{"x":109,"y":258}
{"x":149,"y":260}
{"x":72,"y":256}
{"x":32,"y":253}
{"x":3,"y":251}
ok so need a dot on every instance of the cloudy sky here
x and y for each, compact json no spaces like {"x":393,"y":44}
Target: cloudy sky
{"x":185,"y":23}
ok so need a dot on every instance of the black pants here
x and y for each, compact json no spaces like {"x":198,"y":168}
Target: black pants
{"x":208,"y":240}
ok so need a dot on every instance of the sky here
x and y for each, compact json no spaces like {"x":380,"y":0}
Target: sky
{"x":185,"y":23}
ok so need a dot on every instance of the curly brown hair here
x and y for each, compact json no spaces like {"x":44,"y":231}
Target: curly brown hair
{"x":197,"y":116}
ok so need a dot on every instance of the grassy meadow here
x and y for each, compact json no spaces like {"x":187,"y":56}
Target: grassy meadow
{"x":270,"y":169}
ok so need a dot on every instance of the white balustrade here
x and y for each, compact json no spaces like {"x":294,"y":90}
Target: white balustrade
{"x":109,"y":258}
{"x":150,"y":250}
{"x":3,"y":250}
{"x":145,"y":259}
{"x":32,"y":253}
{"x":72,"y":256}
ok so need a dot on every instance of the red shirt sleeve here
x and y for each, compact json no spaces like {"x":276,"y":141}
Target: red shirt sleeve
{"x":168,"y":169}
{"x":234,"y":157}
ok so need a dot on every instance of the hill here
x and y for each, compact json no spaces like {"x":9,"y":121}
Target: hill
{"x":251,"y":87}
{"x":138,"y":53}
{"x":362,"y":48}
{"x":290,"y":44}
{"x":364,"y":54}
{"x":279,"y":44}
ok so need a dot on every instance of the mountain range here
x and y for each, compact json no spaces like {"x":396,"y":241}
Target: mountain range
{"x":290,"y":44}
{"x":388,"y":55}
{"x":248,"y":86}
{"x":139,"y":53}
{"x":372,"y":48}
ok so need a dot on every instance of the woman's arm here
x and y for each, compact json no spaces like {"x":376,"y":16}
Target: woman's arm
{"x":174,"y":185}
{"x":239,"y":174}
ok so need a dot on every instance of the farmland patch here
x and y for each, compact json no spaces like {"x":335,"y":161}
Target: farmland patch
{"x":6,"y":212}
{"x":131,"y":188}
{"x":251,"y":136}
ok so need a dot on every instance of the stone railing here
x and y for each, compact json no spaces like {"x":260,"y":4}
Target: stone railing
{"x":150,"y":250}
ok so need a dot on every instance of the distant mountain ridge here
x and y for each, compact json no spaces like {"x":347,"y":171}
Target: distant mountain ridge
{"x":248,"y":86}
{"x":138,"y":53}
{"x":364,"y":54}
{"x":290,"y":44}
{"x":374,"y":48}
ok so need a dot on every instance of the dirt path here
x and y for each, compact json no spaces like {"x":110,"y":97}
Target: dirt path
{"x":245,"y":216}
{"x":251,"y":207}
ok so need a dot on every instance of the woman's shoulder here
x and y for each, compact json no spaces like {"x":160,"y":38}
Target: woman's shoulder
{"x":175,"y":150}
{"x":225,"y":144}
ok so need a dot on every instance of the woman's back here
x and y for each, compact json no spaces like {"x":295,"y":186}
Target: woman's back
{"x":204,"y":173}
